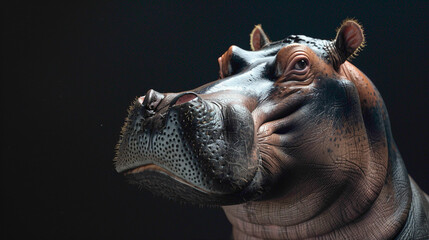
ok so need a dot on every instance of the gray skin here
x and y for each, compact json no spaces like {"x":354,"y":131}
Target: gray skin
{"x":292,"y":140}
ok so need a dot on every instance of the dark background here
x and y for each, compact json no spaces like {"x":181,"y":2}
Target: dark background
{"x":70,"y":71}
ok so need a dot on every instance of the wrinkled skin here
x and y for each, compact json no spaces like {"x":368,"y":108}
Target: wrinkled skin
{"x":292,"y":140}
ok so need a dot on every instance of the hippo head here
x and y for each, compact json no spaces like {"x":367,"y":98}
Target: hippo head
{"x":282,"y":118}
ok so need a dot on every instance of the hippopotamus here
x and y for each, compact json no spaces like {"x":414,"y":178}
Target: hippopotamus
{"x":292,"y":141}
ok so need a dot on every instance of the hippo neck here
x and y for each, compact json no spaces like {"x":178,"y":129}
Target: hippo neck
{"x":384,"y":218}
{"x":361,"y":209}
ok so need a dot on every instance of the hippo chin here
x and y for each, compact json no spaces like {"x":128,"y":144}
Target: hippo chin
{"x":292,"y":140}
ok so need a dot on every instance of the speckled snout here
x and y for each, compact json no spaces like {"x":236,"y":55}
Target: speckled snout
{"x":188,"y":138}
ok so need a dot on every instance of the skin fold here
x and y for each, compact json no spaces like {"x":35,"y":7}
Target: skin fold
{"x":292,"y":140}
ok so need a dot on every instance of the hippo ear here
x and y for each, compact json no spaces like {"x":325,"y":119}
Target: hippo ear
{"x":258,"y":38}
{"x":349,"y":41}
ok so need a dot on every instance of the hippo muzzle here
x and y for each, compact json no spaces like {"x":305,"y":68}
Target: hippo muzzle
{"x":189,"y":143}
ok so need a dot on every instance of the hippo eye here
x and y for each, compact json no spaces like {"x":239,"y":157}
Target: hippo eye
{"x":301,"y":64}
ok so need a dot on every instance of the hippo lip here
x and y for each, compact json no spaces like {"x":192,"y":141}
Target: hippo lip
{"x":146,"y":167}
{"x":155,"y":168}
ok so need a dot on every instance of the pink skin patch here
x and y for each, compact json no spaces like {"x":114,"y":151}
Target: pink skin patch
{"x":185,"y":98}
{"x":141,"y":99}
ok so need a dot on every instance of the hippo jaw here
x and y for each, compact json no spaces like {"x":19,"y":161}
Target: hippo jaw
{"x":191,"y":149}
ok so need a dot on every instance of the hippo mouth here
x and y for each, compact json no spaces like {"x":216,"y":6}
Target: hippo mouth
{"x":189,"y":143}
{"x":158,"y":169}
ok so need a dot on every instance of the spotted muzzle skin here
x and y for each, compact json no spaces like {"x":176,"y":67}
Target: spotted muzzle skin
{"x":190,"y":147}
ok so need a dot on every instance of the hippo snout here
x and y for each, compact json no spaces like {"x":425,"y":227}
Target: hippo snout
{"x":198,"y":142}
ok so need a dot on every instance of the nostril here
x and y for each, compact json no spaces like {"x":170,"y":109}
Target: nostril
{"x":152,"y":99}
{"x":184,"y":99}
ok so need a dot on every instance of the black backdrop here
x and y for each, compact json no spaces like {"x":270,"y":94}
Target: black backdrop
{"x":70,"y":71}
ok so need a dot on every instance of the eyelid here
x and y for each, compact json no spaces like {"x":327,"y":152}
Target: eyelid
{"x":291,"y":67}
